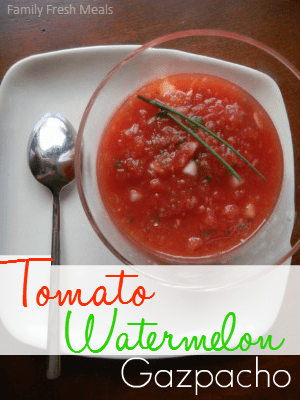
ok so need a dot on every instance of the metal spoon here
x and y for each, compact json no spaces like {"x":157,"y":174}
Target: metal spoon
{"x":51,"y":154}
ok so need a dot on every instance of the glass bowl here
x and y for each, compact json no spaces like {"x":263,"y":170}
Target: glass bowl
{"x":262,"y":72}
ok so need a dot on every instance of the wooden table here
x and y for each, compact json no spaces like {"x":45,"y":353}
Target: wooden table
{"x":276,"y":23}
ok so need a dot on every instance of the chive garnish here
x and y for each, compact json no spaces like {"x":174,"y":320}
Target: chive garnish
{"x":188,"y":130}
{"x":167,"y":111}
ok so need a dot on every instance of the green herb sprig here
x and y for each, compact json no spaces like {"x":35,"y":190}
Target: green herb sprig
{"x":168,"y":112}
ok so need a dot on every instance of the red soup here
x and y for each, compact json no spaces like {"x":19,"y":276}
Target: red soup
{"x":166,"y":191}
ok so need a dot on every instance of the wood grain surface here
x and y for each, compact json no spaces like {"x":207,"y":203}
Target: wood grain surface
{"x":275,"y":23}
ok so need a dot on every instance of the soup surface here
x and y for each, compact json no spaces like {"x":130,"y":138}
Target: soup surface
{"x":167,"y":192}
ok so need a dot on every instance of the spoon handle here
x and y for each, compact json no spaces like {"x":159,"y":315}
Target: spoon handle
{"x":53,"y":341}
{"x":55,"y":249}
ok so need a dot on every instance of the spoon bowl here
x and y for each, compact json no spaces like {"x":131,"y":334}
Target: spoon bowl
{"x":52,"y":150}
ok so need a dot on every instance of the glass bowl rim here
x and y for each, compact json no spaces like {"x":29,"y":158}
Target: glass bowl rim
{"x":133,"y":54}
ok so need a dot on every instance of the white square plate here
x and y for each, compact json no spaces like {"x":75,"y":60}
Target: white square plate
{"x":63,"y":82}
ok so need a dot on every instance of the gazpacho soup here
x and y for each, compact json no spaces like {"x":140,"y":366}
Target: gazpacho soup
{"x":190,"y":165}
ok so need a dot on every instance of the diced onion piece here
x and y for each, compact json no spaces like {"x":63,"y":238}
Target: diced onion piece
{"x":167,"y":88}
{"x":210,"y":219}
{"x":132,"y":130}
{"x":190,"y":169}
{"x":249,"y":211}
{"x":257,"y":120}
{"x":156,"y":167}
{"x":230,"y":211}
{"x":189,"y":148}
{"x":156,"y":185}
{"x":194,"y":243}
{"x":135,"y":195}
